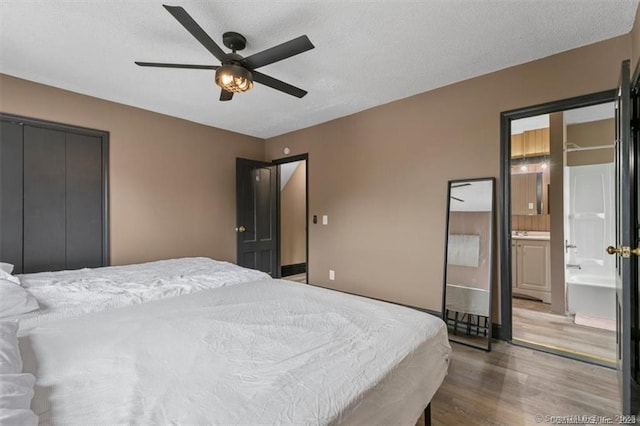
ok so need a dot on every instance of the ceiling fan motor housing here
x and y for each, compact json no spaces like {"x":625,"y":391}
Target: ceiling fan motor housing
{"x":234,"y":41}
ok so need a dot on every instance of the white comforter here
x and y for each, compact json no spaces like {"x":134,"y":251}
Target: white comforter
{"x":266,"y":352}
{"x":65,"y":294}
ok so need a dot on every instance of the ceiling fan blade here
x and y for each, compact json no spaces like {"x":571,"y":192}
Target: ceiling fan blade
{"x":277,"y":84}
{"x":161,"y":65}
{"x":279,"y":52}
{"x":192,"y":26}
{"x":225,"y":96}
{"x":457,"y":199}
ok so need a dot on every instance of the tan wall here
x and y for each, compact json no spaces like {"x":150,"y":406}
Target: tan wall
{"x":596,"y":133}
{"x":172,"y":182}
{"x":293,"y":238}
{"x":556,"y":204}
{"x":635,"y":42}
{"x":538,"y":222}
{"x":381,"y":174}
{"x":472,"y":223}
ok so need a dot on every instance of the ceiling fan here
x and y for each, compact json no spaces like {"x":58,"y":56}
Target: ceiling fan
{"x":236,"y":73}
{"x":458,"y":185}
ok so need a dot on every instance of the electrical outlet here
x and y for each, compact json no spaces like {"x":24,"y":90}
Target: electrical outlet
{"x":332,"y":274}
{"x":325,"y":219}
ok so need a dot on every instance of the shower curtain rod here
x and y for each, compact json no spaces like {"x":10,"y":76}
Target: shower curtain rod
{"x":588,"y":148}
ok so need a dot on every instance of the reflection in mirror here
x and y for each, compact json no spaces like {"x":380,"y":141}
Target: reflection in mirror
{"x":468,"y":262}
{"x":530,"y":178}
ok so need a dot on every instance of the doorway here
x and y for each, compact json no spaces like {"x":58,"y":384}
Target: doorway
{"x":292,"y":208}
{"x":568,"y":308}
{"x":272,"y":216}
{"x":552,"y":254}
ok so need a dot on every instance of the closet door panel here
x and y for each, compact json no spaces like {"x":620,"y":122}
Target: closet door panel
{"x":44,"y":200}
{"x":11,"y":194}
{"x":84,"y":201}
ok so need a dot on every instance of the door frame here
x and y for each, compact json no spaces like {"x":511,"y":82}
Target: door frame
{"x":506,"y":329}
{"x":278,"y":162}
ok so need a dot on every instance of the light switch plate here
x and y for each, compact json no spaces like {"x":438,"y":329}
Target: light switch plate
{"x":332,"y":274}
{"x":325,"y":219}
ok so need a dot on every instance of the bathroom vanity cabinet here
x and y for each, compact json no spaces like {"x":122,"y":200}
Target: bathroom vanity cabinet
{"x":530,"y":268}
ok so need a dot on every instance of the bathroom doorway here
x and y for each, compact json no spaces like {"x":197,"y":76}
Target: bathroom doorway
{"x":292,"y":202}
{"x":562,"y":218}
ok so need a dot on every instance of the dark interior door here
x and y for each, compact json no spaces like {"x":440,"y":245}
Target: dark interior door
{"x":626,"y":240}
{"x":53,"y":213}
{"x":257,"y":225}
{"x":84,"y":202}
{"x":635,"y":291}
{"x":11,"y":187}
{"x":44,"y":244}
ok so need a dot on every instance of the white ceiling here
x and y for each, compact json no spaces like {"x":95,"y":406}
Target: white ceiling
{"x":590,"y":113}
{"x":572,"y":116}
{"x":529,"y":123}
{"x":367,"y":52}
{"x":286,"y":171}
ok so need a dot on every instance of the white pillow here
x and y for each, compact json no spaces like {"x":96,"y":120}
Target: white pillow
{"x":16,"y":390}
{"x":10,"y":359}
{"x":7,"y":267}
{"x":15,"y":300}
{"x":4,"y":275}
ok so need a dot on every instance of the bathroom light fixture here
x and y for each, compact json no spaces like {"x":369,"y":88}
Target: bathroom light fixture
{"x":523,"y":163}
{"x":234,"y":78}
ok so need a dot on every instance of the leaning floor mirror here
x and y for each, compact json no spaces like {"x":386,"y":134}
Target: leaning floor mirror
{"x":468,"y":271}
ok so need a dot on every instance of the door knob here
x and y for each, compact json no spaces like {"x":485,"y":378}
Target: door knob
{"x":623,"y":251}
{"x":241,"y":229}
{"x":611,"y":249}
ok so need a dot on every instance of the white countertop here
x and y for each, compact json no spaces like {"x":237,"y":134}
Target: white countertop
{"x":531,"y":235}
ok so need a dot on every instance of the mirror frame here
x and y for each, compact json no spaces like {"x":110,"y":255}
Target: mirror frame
{"x":491,"y":262}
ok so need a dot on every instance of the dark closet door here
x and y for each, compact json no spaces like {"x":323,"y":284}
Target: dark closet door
{"x":11,"y":194}
{"x":44,"y":244}
{"x":83,"y":201}
{"x":53,"y":183}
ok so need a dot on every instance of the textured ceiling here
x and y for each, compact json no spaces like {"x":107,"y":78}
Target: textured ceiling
{"x":367,"y":53}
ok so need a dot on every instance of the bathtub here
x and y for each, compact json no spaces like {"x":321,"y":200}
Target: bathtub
{"x":591,"y":295}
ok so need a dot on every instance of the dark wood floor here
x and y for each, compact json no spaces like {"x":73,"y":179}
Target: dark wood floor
{"x":511,"y":385}
{"x":300,"y":278}
{"x":533,"y":322}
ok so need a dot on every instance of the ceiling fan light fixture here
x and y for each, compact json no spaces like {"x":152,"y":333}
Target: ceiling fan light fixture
{"x":234,"y":78}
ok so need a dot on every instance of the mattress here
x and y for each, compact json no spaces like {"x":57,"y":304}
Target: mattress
{"x":263,"y":352}
{"x":66,"y":294}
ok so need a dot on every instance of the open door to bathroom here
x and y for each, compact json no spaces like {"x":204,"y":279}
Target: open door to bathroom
{"x":627,"y":221}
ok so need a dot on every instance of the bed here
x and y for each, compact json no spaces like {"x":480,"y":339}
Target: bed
{"x":64,"y":294}
{"x":258,"y":351}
